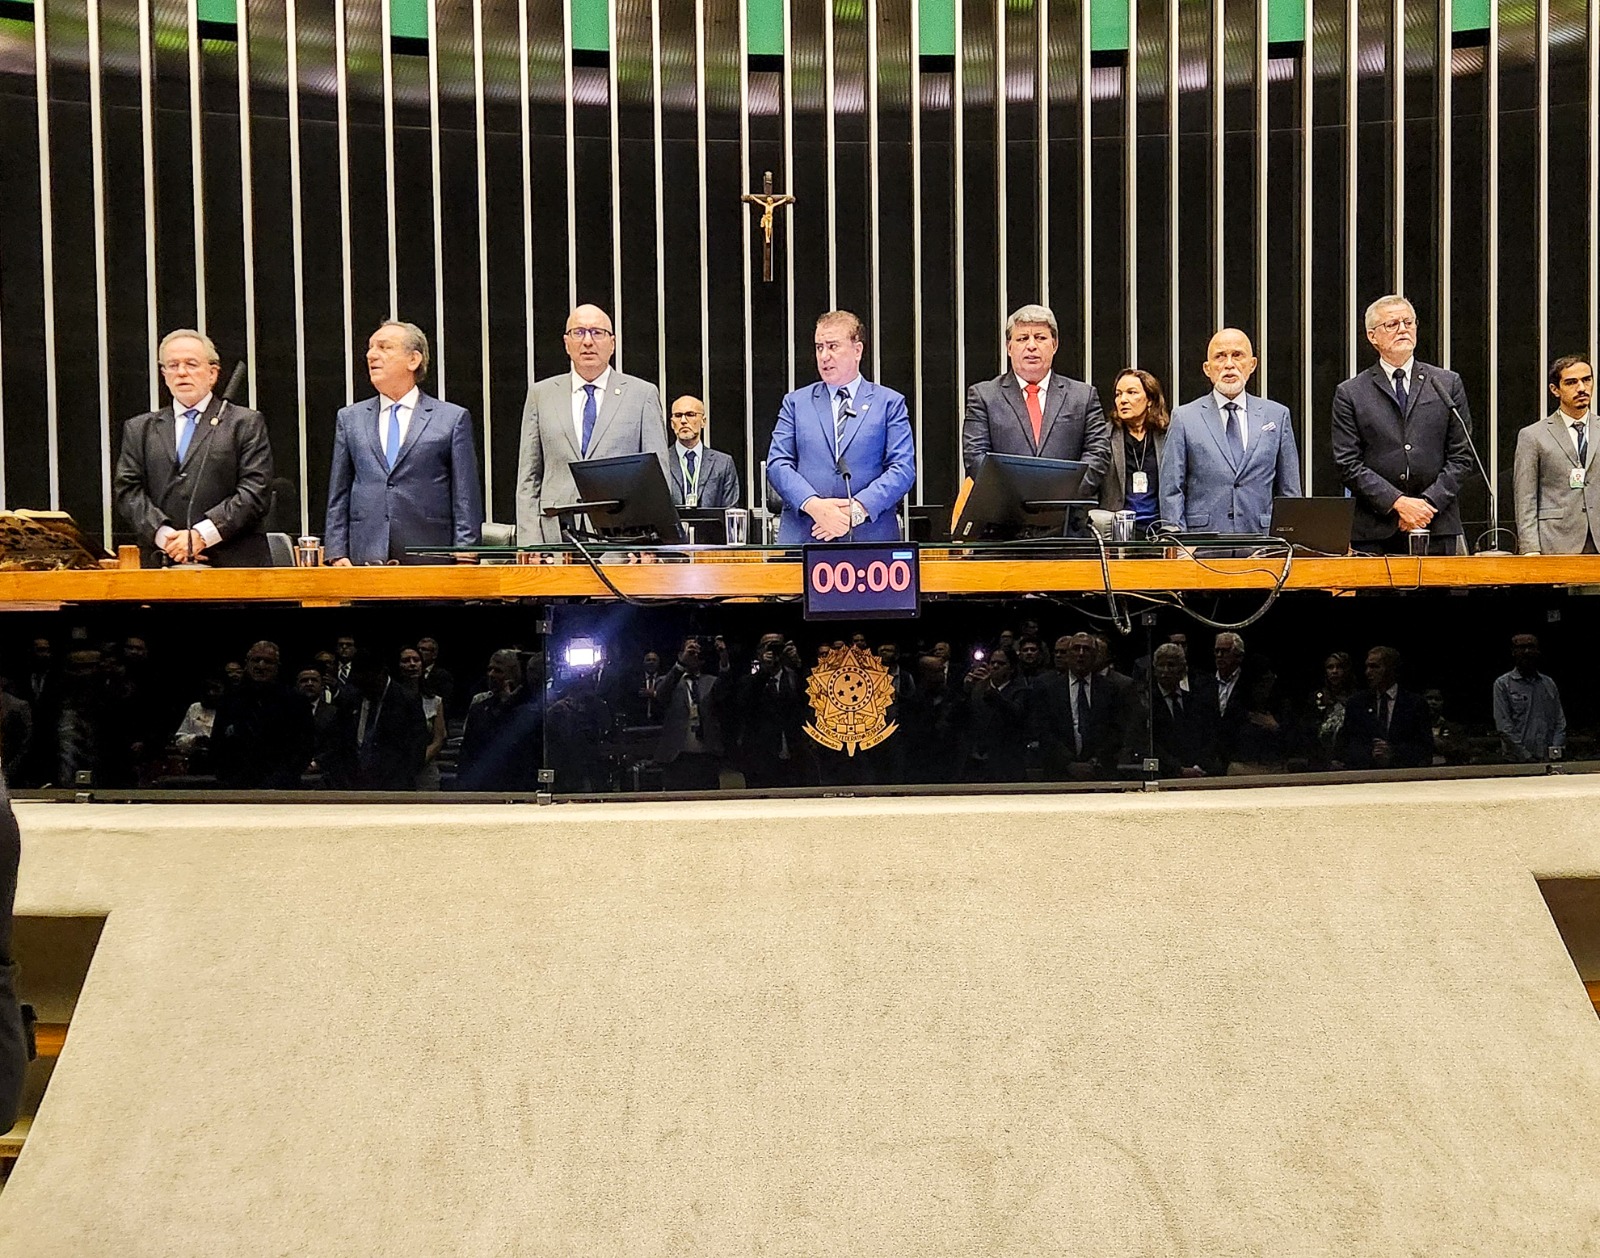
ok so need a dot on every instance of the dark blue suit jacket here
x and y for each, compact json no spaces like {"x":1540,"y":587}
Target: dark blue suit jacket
{"x":432,"y":497}
{"x":878,"y":447}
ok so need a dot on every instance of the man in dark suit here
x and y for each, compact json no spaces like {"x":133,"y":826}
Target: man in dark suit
{"x":1181,"y":729}
{"x":690,"y":748}
{"x":1385,"y":727}
{"x":1033,"y":410}
{"x":1082,"y":716}
{"x":1398,"y":448}
{"x":1223,"y":700}
{"x":192,"y":480}
{"x":405,"y":469}
{"x":261,"y":737}
{"x":379,"y":739}
{"x":700,"y":476}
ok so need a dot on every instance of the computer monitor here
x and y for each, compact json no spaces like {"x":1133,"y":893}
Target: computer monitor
{"x":1320,"y":526}
{"x":1017,"y":496}
{"x":627,"y":496}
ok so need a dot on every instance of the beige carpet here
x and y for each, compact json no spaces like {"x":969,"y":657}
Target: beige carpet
{"x":1290,"y":1022}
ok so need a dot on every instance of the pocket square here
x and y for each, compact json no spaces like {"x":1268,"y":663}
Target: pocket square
{"x":1272,"y":427}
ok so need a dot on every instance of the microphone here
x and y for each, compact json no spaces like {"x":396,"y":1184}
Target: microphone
{"x":843,"y":468}
{"x":1494,"y":502}
{"x":234,"y":382}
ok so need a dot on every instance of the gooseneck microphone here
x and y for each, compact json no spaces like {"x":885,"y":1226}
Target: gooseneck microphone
{"x":843,"y":469}
{"x":234,"y":382}
{"x":1494,"y":501}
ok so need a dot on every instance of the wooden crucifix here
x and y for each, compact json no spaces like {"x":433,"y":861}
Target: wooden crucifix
{"x":768,"y":201}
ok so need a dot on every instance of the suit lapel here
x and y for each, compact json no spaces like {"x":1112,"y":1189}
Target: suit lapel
{"x":1419,"y":380}
{"x":1257,"y":442}
{"x":1019,"y":409}
{"x":421,"y":413}
{"x":371,"y":414}
{"x":167,"y":432}
{"x":1213,"y":427}
{"x":203,"y":428}
{"x":822,"y":405}
{"x":675,"y":468}
{"x":1055,"y":398}
{"x":609,"y":402}
{"x":1380,"y":378}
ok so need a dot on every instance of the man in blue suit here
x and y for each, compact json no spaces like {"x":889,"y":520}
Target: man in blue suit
{"x":841,"y":424}
{"x":405,"y":469}
{"x":1229,"y":453}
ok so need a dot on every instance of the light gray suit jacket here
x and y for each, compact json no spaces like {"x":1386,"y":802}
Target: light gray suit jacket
{"x":1552,"y":517}
{"x":629,"y":422}
{"x":1203,"y":490}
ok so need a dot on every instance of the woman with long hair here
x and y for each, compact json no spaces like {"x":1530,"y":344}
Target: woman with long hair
{"x":410,"y":670}
{"x":1139,"y":420}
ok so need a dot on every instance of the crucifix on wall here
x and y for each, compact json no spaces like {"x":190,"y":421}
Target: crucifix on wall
{"x":768,"y":201}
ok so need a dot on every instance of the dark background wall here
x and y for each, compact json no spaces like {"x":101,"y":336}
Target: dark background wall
{"x":694,"y":313}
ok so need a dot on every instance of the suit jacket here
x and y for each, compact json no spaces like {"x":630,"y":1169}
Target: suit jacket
{"x":1383,"y":455}
{"x":1220,"y":727}
{"x":1410,"y":732}
{"x":1204,"y":489}
{"x":1114,"y":489}
{"x":629,"y":422}
{"x":224,"y":478}
{"x":1187,"y":739}
{"x":1113,"y":707}
{"x":431,"y":497}
{"x":1553,"y":518}
{"x":1074,"y":425}
{"x":673,"y":698}
{"x":392,"y":752}
{"x":878,"y":447}
{"x":717,"y":478}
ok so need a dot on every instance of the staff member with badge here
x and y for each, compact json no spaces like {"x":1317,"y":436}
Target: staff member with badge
{"x":1139,"y":422}
{"x":701,"y":476}
{"x":1557,"y":490}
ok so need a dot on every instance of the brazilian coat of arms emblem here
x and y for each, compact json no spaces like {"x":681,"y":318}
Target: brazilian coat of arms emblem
{"x":850,"y":693}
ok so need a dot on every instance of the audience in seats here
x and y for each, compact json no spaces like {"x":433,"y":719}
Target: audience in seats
{"x":262,"y":736}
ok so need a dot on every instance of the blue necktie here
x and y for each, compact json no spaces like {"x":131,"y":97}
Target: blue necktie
{"x":1400,"y":388}
{"x":839,"y":419}
{"x":688,"y":457}
{"x":590,"y":413}
{"x":391,"y":440}
{"x":1233,"y":431}
{"x":186,"y":432}
{"x":1581,"y":428}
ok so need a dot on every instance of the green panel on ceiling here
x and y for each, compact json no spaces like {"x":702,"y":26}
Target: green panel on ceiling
{"x":1286,"y":21}
{"x":222,"y":11}
{"x":765,"y":19}
{"x":409,"y":18}
{"x":1470,"y":15}
{"x":938,"y":33}
{"x":1108,"y":25}
{"x":591,"y":31}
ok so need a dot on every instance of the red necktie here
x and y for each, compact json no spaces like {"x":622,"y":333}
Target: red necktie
{"x":1034,"y":413}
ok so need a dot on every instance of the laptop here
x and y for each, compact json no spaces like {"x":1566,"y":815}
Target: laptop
{"x":1318,"y":526}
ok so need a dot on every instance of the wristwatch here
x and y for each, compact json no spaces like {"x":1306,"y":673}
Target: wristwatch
{"x":858,"y":513}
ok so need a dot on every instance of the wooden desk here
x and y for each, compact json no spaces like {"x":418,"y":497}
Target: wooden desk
{"x":944,"y":572}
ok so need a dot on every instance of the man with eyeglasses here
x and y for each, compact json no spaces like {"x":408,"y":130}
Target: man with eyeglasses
{"x":1398,"y":448}
{"x":1557,"y":483}
{"x":192,"y":478}
{"x":842,"y":454}
{"x":1033,"y":410}
{"x":701,"y":476}
{"x":590,"y":412}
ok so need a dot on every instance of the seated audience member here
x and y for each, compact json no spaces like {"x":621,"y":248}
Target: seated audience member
{"x":690,"y":749}
{"x":1082,"y":717}
{"x":1385,"y":727}
{"x":1139,"y":422}
{"x":261,"y":736}
{"x":379,"y":737}
{"x":999,"y":719}
{"x":1224,"y":698}
{"x":1181,"y":730}
{"x":193,"y":737}
{"x":772,"y":707}
{"x":1527,"y":706}
{"x":436,"y":679}
{"x":414,"y":678}
{"x":502,"y":743}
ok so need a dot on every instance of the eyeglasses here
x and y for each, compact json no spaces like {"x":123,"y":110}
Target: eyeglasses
{"x":589,"y":334}
{"x":1395,"y":325}
{"x":687,"y":414}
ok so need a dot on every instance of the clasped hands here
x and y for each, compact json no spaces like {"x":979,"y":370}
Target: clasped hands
{"x":184,"y":545}
{"x":1414,"y":513}
{"x":830,"y":517}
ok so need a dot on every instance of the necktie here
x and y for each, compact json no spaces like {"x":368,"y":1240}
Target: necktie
{"x":1383,"y":712}
{"x":1233,"y":431}
{"x":590,"y":412}
{"x":1580,"y":431}
{"x":391,"y":439}
{"x":186,"y":432}
{"x":1400,"y":387}
{"x":1035,"y":414}
{"x":1082,"y":709}
{"x":838,"y":420}
{"x":688,"y":457}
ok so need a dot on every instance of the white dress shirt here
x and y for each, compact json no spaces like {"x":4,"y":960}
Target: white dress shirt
{"x":1219,"y":401}
{"x":407,"y":405}
{"x":1407,"y":369}
{"x":1225,"y":690}
{"x":1588,"y":427}
{"x":1044,"y":388}
{"x":207,"y":530}
{"x":579,"y":397}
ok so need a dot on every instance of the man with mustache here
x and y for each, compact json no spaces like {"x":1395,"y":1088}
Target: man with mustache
{"x":1229,"y":453}
{"x":1557,"y":486}
{"x":1399,"y":450}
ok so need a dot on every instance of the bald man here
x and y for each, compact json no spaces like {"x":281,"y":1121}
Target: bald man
{"x":1228,"y":453}
{"x":590,"y":412}
{"x":701,"y":476}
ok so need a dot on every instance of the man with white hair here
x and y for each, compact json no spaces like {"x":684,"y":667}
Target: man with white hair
{"x":1032,"y":409}
{"x":1399,"y":450}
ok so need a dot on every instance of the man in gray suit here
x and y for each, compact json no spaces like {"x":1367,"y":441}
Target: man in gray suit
{"x":1229,"y":453}
{"x":1557,"y":484}
{"x":590,"y":412}
{"x":701,"y":476}
{"x":1033,"y":410}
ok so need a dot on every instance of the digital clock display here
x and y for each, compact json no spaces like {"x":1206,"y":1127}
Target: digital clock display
{"x":861,"y":579}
